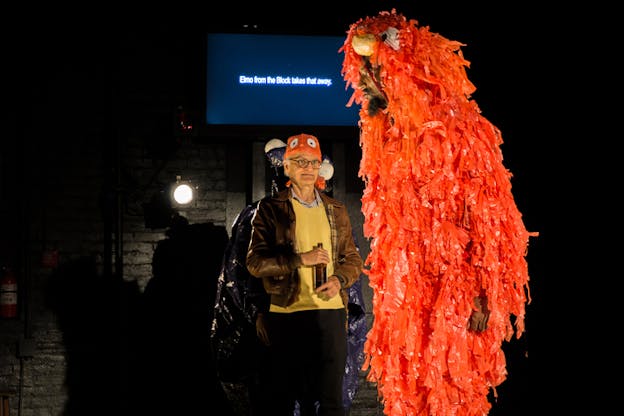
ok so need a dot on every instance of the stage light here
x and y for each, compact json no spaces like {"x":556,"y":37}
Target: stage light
{"x":182,"y":192}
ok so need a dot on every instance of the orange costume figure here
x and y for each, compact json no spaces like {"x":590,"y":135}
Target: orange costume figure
{"x":448,"y":245}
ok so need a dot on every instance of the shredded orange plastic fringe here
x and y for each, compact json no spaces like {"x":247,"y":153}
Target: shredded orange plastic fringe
{"x":442,"y":224}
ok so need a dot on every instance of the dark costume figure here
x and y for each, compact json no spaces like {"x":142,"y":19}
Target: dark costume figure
{"x":177,"y":361}
{"x":240,"y":296}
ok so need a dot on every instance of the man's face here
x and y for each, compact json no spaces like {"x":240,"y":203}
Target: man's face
{"x":302,"y":169}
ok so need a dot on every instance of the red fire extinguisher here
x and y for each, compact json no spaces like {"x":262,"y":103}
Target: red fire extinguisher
{"x":8,"y":294}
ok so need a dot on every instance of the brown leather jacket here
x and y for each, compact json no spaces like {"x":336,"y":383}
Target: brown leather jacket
{"x":272,"y":256}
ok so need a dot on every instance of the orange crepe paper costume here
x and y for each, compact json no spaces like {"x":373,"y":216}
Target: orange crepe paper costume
{"x":441,"y":218}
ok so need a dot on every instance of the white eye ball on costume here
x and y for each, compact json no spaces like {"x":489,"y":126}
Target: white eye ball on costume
{"x":391,"y":38}
{"x":294,"y":143}
{"x":311,"y":142}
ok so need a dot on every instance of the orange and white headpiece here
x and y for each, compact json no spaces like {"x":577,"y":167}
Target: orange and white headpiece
{"x":304,"y":144}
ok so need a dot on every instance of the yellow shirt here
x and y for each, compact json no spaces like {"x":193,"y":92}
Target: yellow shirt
{"x":312,"y":227}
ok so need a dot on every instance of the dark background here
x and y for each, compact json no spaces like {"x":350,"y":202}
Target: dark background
{"x":524,"y":62}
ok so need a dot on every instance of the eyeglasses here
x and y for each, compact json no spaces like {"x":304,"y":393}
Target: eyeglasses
{"x":304,"y":163}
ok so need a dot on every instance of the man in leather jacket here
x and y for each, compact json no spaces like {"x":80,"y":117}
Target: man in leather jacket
{"x":305,"y":327}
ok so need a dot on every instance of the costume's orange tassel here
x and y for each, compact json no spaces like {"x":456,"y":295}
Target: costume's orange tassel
{"x":320,"y":183}
{"x":441,"y":218}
